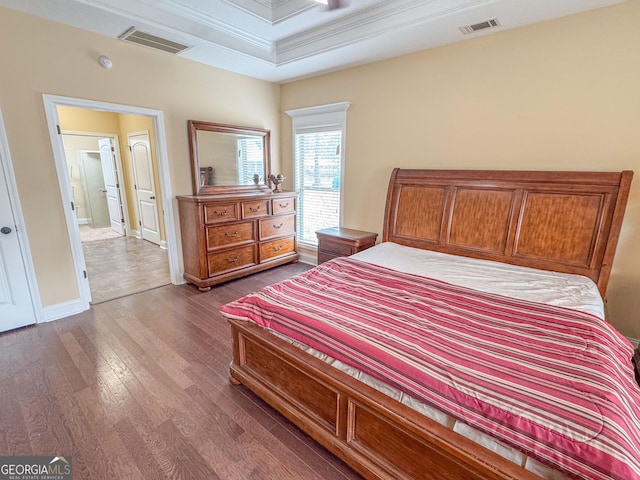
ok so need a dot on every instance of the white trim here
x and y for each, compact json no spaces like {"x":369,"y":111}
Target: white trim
{"x":62,"y":310}
{"x":308,"y":257}
{"x":21,"y":232}
{"x":318,"y":116}
{"x":51,"y":102}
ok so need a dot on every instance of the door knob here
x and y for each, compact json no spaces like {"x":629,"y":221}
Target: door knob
{"x":152,"y":198}
{"x":5,"y":230}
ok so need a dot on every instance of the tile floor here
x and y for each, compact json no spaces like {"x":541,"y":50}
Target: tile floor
{"x":118,"y":266}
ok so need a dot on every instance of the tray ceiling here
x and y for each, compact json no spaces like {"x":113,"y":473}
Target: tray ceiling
{"x":284,"y":40}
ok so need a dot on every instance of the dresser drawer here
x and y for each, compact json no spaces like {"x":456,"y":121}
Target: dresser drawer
{"x":256,"y":208}
{"x":231,"y":259}
{"x":229,"y":234}
{"x":220,"y":213}
{"x":277,"y":226}
{"x":276,"y":248}
{"x":283,"y":205}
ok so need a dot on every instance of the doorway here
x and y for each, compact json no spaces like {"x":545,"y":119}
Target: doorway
{"x":116,"y":266}
{"x":122,"y":258}
{"x":19,"y":298}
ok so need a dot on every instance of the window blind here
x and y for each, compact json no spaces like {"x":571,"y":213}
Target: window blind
{"x":250,"y":158}
{"x":317,"y":165}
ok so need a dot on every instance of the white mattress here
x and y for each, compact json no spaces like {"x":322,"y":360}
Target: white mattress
{"x":570,"y":291}
{"x":560,"y":289}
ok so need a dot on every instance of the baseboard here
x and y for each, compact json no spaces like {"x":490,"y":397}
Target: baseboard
{"x":83,"y":221}
{"x":136,"y":233}
{"x":64,"y":309}
{"x":163,"y":245}
{"x":634,"y":341}
{"x":308,"y":258}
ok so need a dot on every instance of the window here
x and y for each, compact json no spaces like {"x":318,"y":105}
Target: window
{"x":318,"y":140}
{"x":250,"y":158}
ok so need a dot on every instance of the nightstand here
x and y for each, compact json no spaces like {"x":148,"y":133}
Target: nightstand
{"x":340,"y":242}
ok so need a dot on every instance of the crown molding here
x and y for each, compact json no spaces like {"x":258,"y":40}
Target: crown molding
{"x":272,"y":11}
{"x":378,"y":19}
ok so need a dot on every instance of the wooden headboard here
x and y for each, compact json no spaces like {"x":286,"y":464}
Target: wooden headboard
{"x":562,"y":221}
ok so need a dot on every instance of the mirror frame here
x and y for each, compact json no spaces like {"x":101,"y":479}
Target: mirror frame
{"x":194,"y":126}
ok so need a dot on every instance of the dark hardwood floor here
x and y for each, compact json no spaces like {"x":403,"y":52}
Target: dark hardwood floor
{"x":138,"y":387}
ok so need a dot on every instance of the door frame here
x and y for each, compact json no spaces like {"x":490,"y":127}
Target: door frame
{"x":6,"y":165}
{"x":115,"y":142}
{"x":51,"y":102}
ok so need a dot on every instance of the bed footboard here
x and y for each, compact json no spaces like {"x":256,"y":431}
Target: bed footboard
{"x":376,"y":435}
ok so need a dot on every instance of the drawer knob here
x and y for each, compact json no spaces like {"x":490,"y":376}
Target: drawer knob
{"x":232,"y":260}
{"x":221,"y":214}
{"x":254,"y":210}
{"x":231,"y":235}
{"x":277,"y":248}
{"x":277,"y":227}
{"x":284,"y":205}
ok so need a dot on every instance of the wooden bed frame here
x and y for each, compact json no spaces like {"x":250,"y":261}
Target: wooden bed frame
{"x":561,"y":221}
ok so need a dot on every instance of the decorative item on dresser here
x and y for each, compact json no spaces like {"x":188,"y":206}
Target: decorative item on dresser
{"x":341,"y":242}
{"x":230,"y":236}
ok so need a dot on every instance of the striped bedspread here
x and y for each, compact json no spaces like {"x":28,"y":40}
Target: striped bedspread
{"x":554,"y":383}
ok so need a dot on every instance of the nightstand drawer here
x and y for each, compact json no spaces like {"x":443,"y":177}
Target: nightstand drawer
{"x":336,"y":248}
{"x":326,"y":256}
{"x":277,"y":226}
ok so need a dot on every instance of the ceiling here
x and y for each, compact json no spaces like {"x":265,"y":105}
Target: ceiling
{"x":285,"y":40}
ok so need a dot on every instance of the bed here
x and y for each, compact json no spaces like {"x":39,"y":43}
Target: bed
{"x":564,"y":222}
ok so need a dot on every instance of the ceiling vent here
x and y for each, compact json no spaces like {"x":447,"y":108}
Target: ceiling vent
{"x":467,"y":29}
{"x":134,"y":35}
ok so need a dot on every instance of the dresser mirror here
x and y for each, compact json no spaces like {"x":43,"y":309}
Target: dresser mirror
{"x":228,"y":158}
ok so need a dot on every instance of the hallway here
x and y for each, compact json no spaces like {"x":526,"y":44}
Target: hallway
{"x":118,"y":266}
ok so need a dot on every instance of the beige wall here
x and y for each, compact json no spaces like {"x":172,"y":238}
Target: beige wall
{"x":564,"y":94}
{"x":45,"y":57}
{"x":557,"y":95}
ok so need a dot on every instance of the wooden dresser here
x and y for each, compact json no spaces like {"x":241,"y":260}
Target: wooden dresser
{"x":227,"y":236}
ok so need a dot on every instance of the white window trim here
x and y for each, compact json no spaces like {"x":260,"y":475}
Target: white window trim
{"x":331,"y":114}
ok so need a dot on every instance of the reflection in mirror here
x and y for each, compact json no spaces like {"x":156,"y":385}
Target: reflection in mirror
{"x":227,"y":157}
{"x":230,"y":159}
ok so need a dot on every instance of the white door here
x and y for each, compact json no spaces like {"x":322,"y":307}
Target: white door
{"x":16,"y":307}
{"x":111,"y":185}
{"x":140,"y":148}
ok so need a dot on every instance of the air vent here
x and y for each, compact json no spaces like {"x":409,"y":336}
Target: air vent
{"x":480,"y":26}
{"x":134,"y":35}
